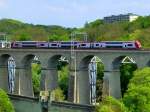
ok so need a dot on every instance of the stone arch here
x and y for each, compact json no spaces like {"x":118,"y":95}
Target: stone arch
{"x":25,"y":75}
{"x":27,"y":60}
{"x":51,"y":77}
{"x":85,"y":61}
{"x":118,"y":60}
{"x":4,"y":71}
{"x":53,"y":61}
{"x":120,"y":64}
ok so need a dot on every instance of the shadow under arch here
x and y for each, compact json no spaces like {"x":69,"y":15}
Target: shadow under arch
{"x":4,"y":71}
{"x":85,"y":62}
{"x":117,"y":62}
{"x":53,"y":61}
{"x":27,"y":60}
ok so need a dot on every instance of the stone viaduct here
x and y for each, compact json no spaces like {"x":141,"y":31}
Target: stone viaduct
{"x":79,"y":88}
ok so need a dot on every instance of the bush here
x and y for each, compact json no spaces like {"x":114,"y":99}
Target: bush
{"x":63,"y":79}
{"x":36,"y":71}
{"x":137,"y":97}
{"x":5,"y":104}
{"x":126,"y":71}
{"x":109,"y":104}
{"x":57,"y":95}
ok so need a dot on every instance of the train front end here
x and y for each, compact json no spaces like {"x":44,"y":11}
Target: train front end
{"x":138,"y":44}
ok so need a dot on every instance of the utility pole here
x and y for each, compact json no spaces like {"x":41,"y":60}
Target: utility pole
{"x":73,"y":62}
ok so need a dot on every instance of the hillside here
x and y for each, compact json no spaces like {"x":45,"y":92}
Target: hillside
{"x":97,"y":31}
{"x":136,"y":30}
{"x":17,"y":30}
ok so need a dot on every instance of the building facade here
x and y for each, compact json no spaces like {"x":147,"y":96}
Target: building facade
{"x":119,"y":18}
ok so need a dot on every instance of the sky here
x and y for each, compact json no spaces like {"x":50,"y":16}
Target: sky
{"x":69,"y":13}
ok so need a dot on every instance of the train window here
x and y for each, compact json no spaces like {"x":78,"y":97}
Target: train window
{"x":113,"y":42}
{"x":130,"y":45}
{"x":83,"y":44}
{"x":16,"y":44}
{"x":54,"y":44}
{"x":28,"y":45}
{"x":97,"y":44}
{"x":42,"y":44}
{"x":113,"y":46}
{"x":28,"y":42}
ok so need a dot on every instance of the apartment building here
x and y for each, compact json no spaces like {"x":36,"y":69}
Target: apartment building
{"x":122,"y":17}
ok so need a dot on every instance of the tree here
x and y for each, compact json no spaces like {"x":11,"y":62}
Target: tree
{"x":5,"y":104}
{"x":63,"y":80}
{"x":137,"y":97}
{"x":36,"y":71}
{"x":110,"y":104}
{"x":24,"y":37}
{"x":126,"y":71}
{"x":99,"y":81}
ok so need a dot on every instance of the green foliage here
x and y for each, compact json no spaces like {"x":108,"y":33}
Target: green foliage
{"x":100,"y":70}
{"x":17,"y":30}
{"x":9,"y":26}
{"x":140,"y":23}
{"x":137,"y":97}
{"x":141,"y":77}
{"x":63,"y":79}
{"x":99,"y":81}
{"x":126,"y":71}
{"x":58,"y":95}
{"x":36,"y":71}
{"x":55,"y":37}
{"x":110,"y":104}
{"x":5,"y":104}
{"x":24,"y":37}
{"x":95,"y":23}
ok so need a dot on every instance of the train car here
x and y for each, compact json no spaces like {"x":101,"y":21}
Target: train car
{"x":24,"y":44}
{"x":117,"y":44}
{"x":76,"y":44}
{"x":29,"y":44}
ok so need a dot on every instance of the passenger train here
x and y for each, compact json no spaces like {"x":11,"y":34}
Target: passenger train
{"x":72,"y":44}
